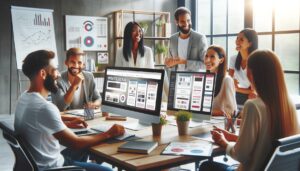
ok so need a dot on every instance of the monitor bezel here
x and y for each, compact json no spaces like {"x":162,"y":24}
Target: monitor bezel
{"x":134,"y":111}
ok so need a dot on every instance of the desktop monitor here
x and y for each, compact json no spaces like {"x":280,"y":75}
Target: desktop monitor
{"x":133,"y":92}
{"x":193,"y":92}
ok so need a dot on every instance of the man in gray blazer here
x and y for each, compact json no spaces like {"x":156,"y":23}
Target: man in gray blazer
{"x":77,"y":88}
{"x":187,"y":47}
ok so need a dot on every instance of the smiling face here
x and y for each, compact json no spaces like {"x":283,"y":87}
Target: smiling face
{"x":184,"y":23}
{"x":75,"y":64}
{"x":136,"y":33}
{"x":212,"y":61}
{"x":242,"y":43}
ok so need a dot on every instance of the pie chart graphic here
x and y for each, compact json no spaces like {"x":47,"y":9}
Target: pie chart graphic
{"x":88,"y":41}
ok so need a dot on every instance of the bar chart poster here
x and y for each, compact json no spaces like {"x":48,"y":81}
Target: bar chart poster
{"x":33,"y":30}
{"x":87,"y":33}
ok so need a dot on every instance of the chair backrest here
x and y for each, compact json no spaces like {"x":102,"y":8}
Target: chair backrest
{"x":286,"y":155}
{"x":24,"y":160}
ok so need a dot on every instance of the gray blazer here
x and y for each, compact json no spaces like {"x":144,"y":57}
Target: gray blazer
{"x":196,"y":50}
{"x":89,"y":87}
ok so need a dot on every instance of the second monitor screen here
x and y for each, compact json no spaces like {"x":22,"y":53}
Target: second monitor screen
{"x":191,"y":91}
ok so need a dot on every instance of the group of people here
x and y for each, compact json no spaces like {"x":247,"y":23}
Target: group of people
{"x":268,"y":113}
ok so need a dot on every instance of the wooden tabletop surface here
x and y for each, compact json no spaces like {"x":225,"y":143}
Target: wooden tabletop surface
{"x":107,"y":151}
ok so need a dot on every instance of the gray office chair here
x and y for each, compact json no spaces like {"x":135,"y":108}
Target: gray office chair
{"x":286,"y":155}
{"x":24,"y":160}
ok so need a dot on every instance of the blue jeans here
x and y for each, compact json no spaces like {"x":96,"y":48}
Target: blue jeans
{"x":79,"y":158}
{"x":214,"y":166}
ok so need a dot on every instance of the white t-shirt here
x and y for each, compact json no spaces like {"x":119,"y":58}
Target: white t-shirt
{"x":239,"y":75}
{"x":182,"y":51}
{"x":78,"y":98}
{"x":37,"y":120}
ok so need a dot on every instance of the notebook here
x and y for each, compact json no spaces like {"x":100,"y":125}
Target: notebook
{"x":143,"y":147}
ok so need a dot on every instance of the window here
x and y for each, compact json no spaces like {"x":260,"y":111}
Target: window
{"x":220,"y":21}
{"x":276,"y":22}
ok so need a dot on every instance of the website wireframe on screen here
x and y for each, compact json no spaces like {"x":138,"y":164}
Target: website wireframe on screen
{"x":192,"y":91}
{"x":133,"y":89}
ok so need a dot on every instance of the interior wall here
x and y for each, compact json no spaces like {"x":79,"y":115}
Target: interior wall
{"x":10,"y":88}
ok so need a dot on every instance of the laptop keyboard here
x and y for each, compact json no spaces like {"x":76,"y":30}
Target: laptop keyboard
{"x":104,"y":128}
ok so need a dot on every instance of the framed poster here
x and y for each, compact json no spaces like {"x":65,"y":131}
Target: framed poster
{"x":87,"y":33}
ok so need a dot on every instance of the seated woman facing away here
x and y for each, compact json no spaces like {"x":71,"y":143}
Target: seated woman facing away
{"x":224,"y":102}
{"x":266,"y":118}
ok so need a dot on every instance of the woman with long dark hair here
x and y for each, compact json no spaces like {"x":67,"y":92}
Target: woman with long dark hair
{"x":134,"y":53}
{"x":246,"y":42}
{"x":224,"y":98}
{"x":266,"y":118}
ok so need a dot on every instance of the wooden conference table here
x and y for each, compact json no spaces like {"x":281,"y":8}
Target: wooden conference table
{"x":107,"y":151}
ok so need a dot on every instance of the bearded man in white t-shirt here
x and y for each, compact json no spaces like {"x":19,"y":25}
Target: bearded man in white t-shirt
{"x":40,"y":124}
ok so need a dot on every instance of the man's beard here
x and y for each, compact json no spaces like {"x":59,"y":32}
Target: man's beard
{"x":70,"y":70}
{"x":50,"y":84}
{"x":185,"y":31}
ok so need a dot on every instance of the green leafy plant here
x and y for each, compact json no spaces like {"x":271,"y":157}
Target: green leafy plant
{"x":144,"y":26}
{"x":163,"y":120}
{"x":183,"y":116}
{"x":98,"y":65}
{"x":160,"y":22}
{"x":161,"y":49}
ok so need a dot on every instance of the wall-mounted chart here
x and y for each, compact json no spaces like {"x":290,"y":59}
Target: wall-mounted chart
{"x":33,"y":30}
{"x":87,"y":33}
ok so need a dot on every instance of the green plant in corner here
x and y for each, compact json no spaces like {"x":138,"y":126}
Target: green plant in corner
{"x":161,"y":49}
{"x":183,"y":116}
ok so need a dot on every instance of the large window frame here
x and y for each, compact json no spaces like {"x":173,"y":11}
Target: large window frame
{"x":248,"y":23}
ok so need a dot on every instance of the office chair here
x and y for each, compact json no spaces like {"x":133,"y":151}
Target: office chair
{"x":24,"y":160}
{"x":286,"y":155}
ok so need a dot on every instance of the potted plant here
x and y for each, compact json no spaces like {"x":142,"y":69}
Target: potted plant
{"x":159,"y":24}
{"x":144,"y":26}
{"x":161,"y":50}
{"x":98,"y":67}
{"x":183,"y":119}
{"x":156,"y":127}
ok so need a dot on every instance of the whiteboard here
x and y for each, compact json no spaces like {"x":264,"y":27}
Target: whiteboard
{"x":33,"y":30}
{"x":87,"y":33}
